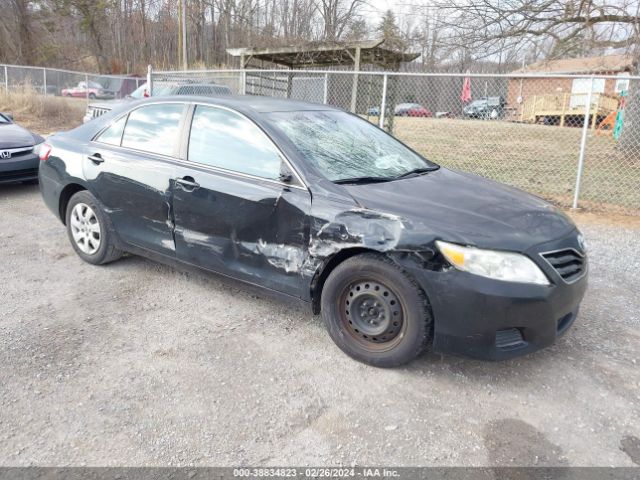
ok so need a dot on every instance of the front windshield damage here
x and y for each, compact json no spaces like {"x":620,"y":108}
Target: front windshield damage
{"x":345,"y":148}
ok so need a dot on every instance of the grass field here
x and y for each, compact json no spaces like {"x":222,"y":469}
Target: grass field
{"x":537,"y":158}
{"x":42,"y":114}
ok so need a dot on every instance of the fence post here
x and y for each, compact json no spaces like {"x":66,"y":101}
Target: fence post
{"x":326,"y":88}
{"x":583,"y":144}
{"x":149,"y":80}
{"x":243,"y":82}
{"x":44,"y":78}
{"x":383,"y":102}
{"x":6,"y":78}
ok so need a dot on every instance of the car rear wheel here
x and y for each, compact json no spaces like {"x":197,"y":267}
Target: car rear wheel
{"x":90,"y":230}
{"x":375,"y":312}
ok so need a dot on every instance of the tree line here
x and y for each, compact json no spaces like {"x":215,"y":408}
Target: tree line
{"x":123,"y":36}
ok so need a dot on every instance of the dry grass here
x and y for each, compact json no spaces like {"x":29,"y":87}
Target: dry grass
{"x":39,"y":113}
{"x":537,"y":158}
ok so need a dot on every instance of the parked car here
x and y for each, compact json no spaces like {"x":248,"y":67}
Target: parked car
{"x":19,"y":150}
{"x":395,"y":252}
{"x":419,"y":111}
{"x":402,"y":109}
{"x":373,"y":111}
{"x":486,"y":108}
{"x":159,"y":89}
{"x":91,"y":90}
{"x":120,"y":87}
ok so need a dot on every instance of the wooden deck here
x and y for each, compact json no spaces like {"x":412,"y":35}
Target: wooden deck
{"x":567,"y":108}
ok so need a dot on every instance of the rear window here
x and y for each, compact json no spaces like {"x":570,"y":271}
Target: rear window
{"x":154,"y":128}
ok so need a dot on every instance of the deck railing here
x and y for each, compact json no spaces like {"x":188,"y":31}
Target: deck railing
{"x":562,"y":105}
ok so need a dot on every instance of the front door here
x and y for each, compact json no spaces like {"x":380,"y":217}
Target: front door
{"x":233,"y":212}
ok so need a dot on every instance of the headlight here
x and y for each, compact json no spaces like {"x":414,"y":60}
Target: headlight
{"x":36,"y":148}
{"x":507,"y":266}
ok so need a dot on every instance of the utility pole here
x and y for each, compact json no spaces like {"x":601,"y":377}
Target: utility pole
{"x":185,"y":63}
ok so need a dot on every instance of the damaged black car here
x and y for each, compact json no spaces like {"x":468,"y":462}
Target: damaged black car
{"x":396,"y":253}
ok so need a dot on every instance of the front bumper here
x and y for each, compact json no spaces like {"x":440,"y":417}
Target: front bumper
{"x":495,"y":320}
{"x":20,"y":168}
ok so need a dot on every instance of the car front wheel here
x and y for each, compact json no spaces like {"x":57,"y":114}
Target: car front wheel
{"x":375,"y":312}
{"x":90,"y":230}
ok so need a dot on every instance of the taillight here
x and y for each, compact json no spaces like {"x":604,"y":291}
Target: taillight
{"x":45,"y":151}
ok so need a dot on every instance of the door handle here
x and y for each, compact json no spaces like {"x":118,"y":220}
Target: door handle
{"x":96,"y":158}
{"x":188,"y":184}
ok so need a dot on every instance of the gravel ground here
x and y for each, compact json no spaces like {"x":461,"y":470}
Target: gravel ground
{"x":138,"y":363}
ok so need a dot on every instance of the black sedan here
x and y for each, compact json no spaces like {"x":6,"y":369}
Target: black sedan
{"x":396,"y":253}
{"x":18,"y":152}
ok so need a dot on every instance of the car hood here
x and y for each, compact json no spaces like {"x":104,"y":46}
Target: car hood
{"x":464,"y":208}
{"x":14,"y":136}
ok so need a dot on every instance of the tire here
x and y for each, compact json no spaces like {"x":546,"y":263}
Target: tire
{"x":371,"y":288}
{"x":92,"y":96}
{"x":90,"y":230}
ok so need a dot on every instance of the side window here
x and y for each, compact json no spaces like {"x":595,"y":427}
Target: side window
{"x":113,"y":134}
{"x":154,"y":128}
{"x":223,"y":139}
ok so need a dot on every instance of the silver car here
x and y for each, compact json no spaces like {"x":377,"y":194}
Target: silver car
{"x":95,"y":110}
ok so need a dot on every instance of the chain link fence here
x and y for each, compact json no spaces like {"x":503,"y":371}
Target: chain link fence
{"x":574,"y":140}
{"x":67,"y":83}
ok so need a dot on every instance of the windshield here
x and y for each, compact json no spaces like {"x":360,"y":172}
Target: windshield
{"x":342,"y":146}
{"x":478,"y":103}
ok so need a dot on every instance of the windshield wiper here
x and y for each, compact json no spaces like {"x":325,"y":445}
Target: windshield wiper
{"x":416,"y":171}
{"x":361,"y":180}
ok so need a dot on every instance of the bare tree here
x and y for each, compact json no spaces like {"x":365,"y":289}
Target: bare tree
{"x":490,"y":26}
{"x":337,"y":15}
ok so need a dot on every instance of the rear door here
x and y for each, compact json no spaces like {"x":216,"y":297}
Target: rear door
{"x":233,"y":212}
{"x":130,"y":166}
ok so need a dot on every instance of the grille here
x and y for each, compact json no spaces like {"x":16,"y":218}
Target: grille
{"x":18,"y":152}
{"x":19,"y":174}
{"x":96,"y":112}
{"x":569,"y":264}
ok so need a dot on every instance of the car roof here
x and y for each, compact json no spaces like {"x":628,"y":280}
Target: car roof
{"x":247,"y":102}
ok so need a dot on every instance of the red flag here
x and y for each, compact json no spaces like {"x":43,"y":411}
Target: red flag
{"x":465,"y":95}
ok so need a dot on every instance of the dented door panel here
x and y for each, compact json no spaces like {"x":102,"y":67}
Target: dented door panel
{"x":246,"y":228}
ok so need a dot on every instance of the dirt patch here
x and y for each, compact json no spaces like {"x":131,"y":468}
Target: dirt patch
{"x":140,"y":364}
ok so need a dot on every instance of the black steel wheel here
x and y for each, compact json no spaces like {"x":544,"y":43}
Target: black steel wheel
{"x":375,"y":312}
{"x":372,"y":314}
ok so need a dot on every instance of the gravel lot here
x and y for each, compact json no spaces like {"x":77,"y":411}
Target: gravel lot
{"x":138,"y":363}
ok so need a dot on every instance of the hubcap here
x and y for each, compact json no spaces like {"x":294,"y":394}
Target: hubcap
{"x":85,"y":228}
{"x":372,"y":312}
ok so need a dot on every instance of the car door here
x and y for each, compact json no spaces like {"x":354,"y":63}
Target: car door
{"x":130,"y":166}
{"x":235,"y":210}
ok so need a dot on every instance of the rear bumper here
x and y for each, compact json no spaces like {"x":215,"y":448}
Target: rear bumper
{"x":19,"y":169}
{"x":495,"y":320}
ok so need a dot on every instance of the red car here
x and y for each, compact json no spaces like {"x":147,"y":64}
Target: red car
{"x":84,"y":90}
{"x":419,"y":111}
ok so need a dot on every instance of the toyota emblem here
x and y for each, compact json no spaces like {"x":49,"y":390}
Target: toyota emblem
{"x":5,"y":154}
